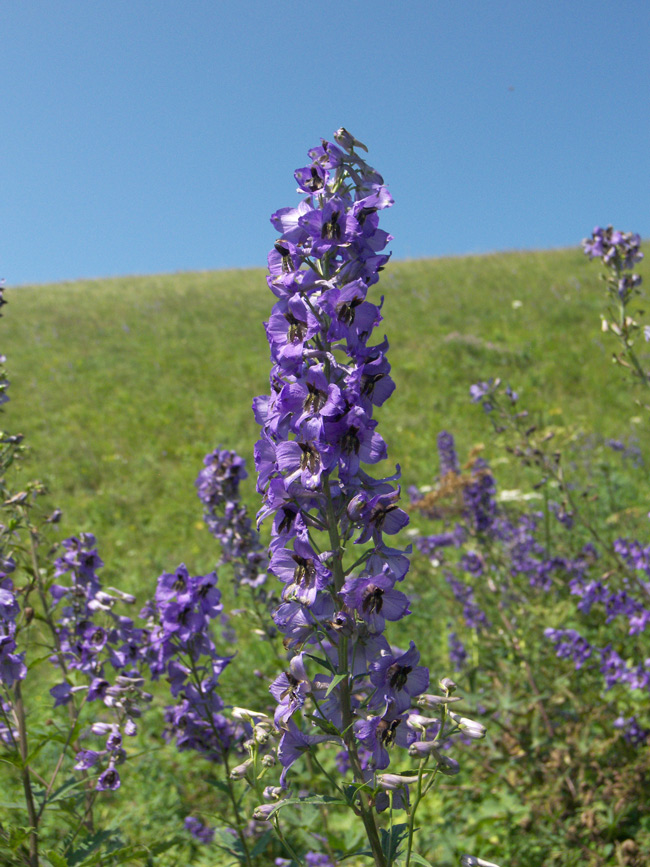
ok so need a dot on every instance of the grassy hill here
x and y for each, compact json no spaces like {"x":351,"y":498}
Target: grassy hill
{"x":121,"y":386}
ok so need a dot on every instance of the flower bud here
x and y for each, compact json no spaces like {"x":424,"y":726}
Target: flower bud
{"x":272,"y":793}
{"x":420,"y":749}
{"x":470,"y":727}
{"x":473,"y":861}
{"x":264,"y":811}
{"x":436,"y":700}
{"x":347,"y":140}
{"x":239,"y":772}
{"x":343,"y":623}
{"x":446,"y":765}
{"x":268,"y":760}
{"x":447,"y":685}
{"x":420,"y":723}
{"x":394,"y":781}
{"x":357,"y":506}
{"x":247,"y":715}
{"x":261,"y":734}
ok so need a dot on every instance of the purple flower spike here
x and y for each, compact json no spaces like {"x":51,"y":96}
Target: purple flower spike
{"x":319,"y":440}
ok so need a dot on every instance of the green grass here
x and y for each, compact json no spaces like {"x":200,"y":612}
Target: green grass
{"x":122,"y":385}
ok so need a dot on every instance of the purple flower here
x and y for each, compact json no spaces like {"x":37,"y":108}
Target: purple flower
{"x":398,"y":678}
{"x":108,"y":780}
{"x":202,"y":833}
{"x":293,"y":745}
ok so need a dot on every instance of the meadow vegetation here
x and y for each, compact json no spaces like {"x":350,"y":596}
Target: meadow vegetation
{"x":121,"y":387}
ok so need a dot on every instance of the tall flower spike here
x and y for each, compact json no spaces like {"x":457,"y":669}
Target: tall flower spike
{"x":318,"y":436}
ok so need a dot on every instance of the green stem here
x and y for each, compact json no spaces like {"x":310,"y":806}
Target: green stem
{"x":411,"y":822}
{"x":239,"y":825}
{"x":365,"y":808}
{"x":19,"y":710}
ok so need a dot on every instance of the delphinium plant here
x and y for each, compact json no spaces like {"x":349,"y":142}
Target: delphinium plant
{"x":620,"y":252}
{"x":524,"y":584}
{"x":345,"y":690}
{"x":353,"y":706}
{"x":59,"y":626}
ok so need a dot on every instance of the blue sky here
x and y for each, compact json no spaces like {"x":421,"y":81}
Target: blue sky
{"x":149,"y":136}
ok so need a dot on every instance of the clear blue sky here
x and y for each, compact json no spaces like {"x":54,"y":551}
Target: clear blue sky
{"x":148,"y":136}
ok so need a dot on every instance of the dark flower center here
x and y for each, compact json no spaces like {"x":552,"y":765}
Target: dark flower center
{"x":351,"y":442}
{"x":291,"y":689}
{"x":398,"y":675}
{"x":287,"y":264}
{"x":297,"y":328}
{"x":331,"y":228}
{"x":363,"y":213}
{"x":373,"y":599}
{"x":345,"y":312}
{"x":387,"y":731}
{"x":309,"y":459}
{"x":369,"y":381}
{"x":315,"y":400}
{"x":316,"y":182}
{"x":305,"y":571}
{"x":288,"y":516}
{"x":379,"y":513}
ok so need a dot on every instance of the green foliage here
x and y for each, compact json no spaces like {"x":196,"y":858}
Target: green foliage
{"x":122,"y":386}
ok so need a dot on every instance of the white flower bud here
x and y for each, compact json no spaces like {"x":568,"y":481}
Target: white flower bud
{"x":417,"y":722}
{"x":473,"y":861}
{"x":436,"y":700}
{"x":243,"y":713}
{"x":470,"y":727}
{"x":394,"y":781}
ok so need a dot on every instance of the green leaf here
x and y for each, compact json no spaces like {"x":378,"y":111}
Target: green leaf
{"x":391,"y":840}
{"x":38,"y":661}
{"x":335,"y":681}
{"x":225,"y":840}
{"x":261,"y":844}
{"x":56,"y":860}
{"x":86,"y":853}
{"x":310,"y":799}
{"x":418,"y":859}
{"x":126,"y":854}
{"x":33,"y":753}
{"x":324,"y":725}
{"x":219,"y":784}
{"x":64,"y":790}
{"x":321,"y":661}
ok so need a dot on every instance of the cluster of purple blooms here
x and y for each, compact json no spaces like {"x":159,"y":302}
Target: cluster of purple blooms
{"x":181,"y":649}
{"x":12,"y":664}
{"x":227,"y":517}
{"x":201,"y":833}
{"x":523,"y":561}
{"x":330,"y":517}
{"x":619,"y":251}
{"x":103,"y":646}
